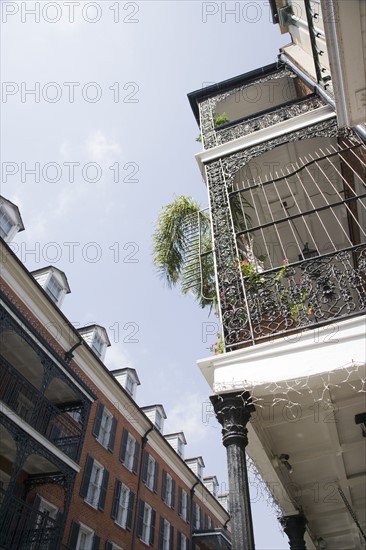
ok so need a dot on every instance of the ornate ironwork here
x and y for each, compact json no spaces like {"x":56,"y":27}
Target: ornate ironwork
{"x":22,"y":526}
{"x":207,"y":107}
{"x":269,"y":119}
{"x":309,"y":293}
{"x":65,"y":476}
{"x":40,"y":333}
{"x":50,"y":370}
{"x":31,"y":405}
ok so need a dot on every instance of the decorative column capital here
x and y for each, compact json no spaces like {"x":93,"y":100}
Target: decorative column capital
{"x":294,"y":527}
{"x":233,"y":411}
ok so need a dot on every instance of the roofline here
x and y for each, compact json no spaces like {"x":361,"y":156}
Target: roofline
{"x":198,"y":95}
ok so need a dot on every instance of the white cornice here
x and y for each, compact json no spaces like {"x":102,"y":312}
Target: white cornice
{"x":266,"y":134}
{"x":306,"y":353}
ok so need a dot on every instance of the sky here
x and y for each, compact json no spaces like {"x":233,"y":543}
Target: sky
{"x":97,"y":136}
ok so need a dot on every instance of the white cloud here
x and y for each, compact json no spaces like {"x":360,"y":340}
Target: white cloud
{"x":100,"y":149}
{"x":194,"y":416}
{"x":116,"y":357}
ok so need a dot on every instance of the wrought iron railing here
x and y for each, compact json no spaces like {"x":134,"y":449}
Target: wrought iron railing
{"x":17,"y":393}
{"x":295,"y":297}
{"x":23,"y":527}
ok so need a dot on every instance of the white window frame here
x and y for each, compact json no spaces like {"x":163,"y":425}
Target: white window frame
{"x":85,"y":538}
{"x":98,"y":344}
{"x":183,"y":542}
{"x":180,"y":447}
{"x":150,"y":477}
{"x":197,"y":516}
{"x":51,"y":285}
{"x":130,"y":385}
{"x":130,"y":452}
{"x":116,"y":547}
{"x":184,"y":505}
{"x":122,"y":510}
{"x":169,"y":490}
{"x":146,"y":524}
{"x":46,"y":507}
{"x":158,"y":419}
{"x":166,"y":535}
{"x":95,"y":484}
{"x":9,"y":224}
{"x":105,"y":428}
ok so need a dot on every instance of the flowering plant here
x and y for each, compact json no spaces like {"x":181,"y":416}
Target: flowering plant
{"x":218,"y":347}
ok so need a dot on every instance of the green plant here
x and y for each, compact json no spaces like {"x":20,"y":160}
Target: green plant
{"x":180,"y":259}
{"x":218,"y":120}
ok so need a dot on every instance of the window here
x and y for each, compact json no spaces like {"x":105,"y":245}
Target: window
{"x":130,"y":451}
{"x":183,"y":505}
{"x":150,"y":472}
{"x":47,"y":508}
{"x":208,"y":522}
{"x":130,"y":385}
{"x":166,"y":535}
{"x":158,"y":420}
{"x":197,"y":516}
{"x":182,"y":541}
{"x":122,"y":508}
{"x":98,"y":344}
{"x":53,"y":289}
{"x":82,"y":537}
{"x":5,"y":224}
{"x":146,"y":523}
{"x":180,"y":448}
{"x":94,"y":484}
{"x":104,"y":427}
{"x":168,"y":489}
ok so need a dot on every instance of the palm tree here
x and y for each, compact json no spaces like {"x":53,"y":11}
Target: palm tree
{"x":182,"y":250}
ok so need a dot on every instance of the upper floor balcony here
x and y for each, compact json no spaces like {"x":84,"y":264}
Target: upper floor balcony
{"x":288,"y":220}
{"x":40,"y":390}
{"x":251,"y":102}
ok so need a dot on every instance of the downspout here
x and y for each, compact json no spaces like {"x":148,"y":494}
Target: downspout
{"x":191,"y":495}
{"x":134,"y":525}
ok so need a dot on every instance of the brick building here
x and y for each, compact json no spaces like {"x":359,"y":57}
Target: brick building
{"x":82,"y":466}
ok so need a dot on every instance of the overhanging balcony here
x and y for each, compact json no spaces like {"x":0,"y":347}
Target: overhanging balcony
{"x":28,"y":402}
{"x":289,"y":234}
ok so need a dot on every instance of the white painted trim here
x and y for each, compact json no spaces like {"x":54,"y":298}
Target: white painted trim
{"x":284,"y":355}
{"x":38,"y":437}
{"x":266,"y":134}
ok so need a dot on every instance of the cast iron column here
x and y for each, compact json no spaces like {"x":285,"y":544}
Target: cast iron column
{"x":294,"y":527}
{"x":233,"y":412}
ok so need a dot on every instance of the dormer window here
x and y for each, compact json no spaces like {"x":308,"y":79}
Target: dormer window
{"x":97,"y":338}
{"x":5,"y":224}
{"x":10,"y":220}
{"x":53,"y":289}
{"x":196,"y":465}
{"x":128,"y":379}
{"x":98,"y":344}
{"x":129,"y":385}
{"x":157,"y":415}
{"x":178,"y":442}
{"x":54,"y":282}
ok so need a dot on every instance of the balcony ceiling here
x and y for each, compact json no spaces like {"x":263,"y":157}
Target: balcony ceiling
{"x":326,"y":451}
